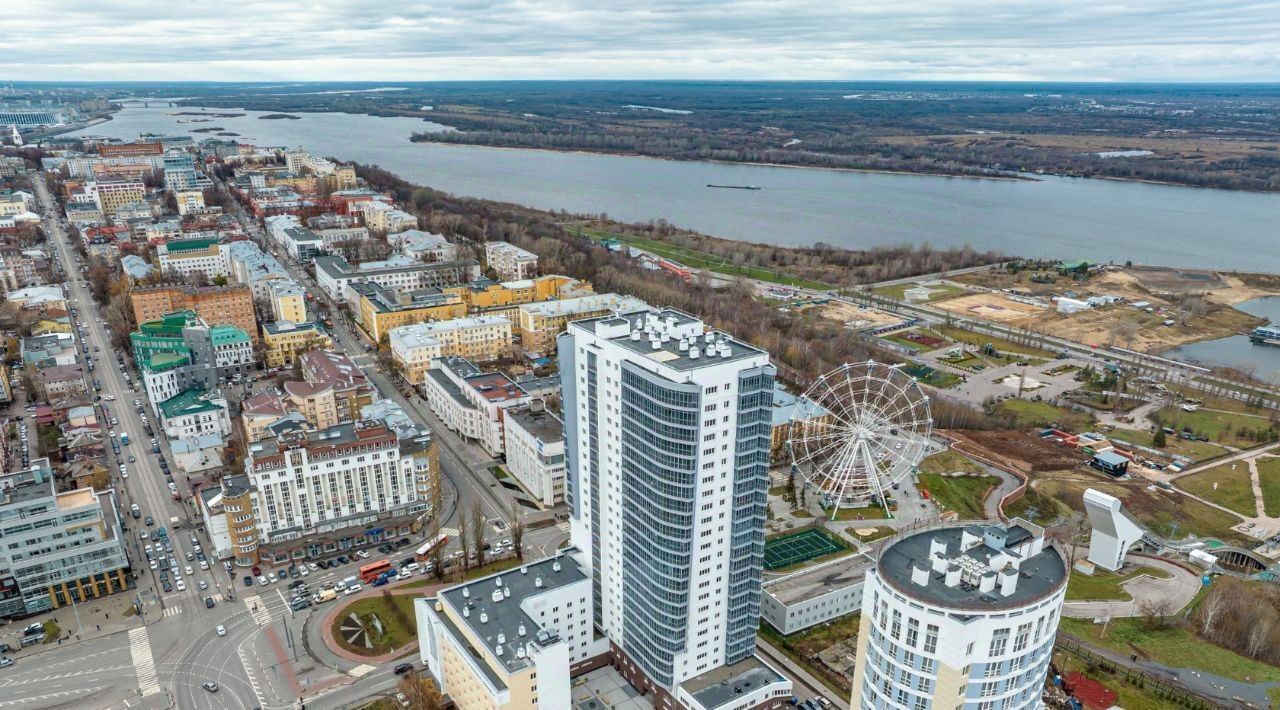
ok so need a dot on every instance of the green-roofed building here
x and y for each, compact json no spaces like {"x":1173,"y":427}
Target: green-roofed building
{"x":194,"y":412}
{"x":179,"y":352}
{"x":179,"y":246}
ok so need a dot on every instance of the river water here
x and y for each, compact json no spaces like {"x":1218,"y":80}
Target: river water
{"x":1100,"y":220}
{"x":1237,"y":350}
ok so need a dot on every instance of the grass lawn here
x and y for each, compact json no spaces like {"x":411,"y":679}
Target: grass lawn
{"x":962,"y":494}
{"x":1269,"y":479}
{"x":940,"y":292}
{"x":1167,"y":513}
{"x":804,"y":647}
{"x":1130,"y":696}
{"x":1004,"y":345}
{"x":51,"y":631}
{"x":1028,"y":414}
{"x":1227,"y":485}
{"x":870,"y":512}
{"x":1172,"y":646}
{"x":949,"y":461}
{"x":1194,"y":450}
{"x":967,"y":361}
{"x":499,"y":472}
{"x":453,"y":576}
{"x":1223,"y":427}
{"x":395,"y":633}
{"x":1038,"y":507}
{"x":1105,"y":585}
{"x":702,"y":260}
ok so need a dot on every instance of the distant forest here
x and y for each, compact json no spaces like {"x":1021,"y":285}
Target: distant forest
{"x":1222,"y":136}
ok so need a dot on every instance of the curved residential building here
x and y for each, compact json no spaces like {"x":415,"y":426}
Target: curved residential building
{"x":960,"y":617}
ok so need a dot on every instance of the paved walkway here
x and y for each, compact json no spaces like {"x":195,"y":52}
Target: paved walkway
{"x":1180,"y":588}
{"x":799,"y":675}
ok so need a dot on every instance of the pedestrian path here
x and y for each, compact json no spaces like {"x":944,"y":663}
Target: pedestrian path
{"x":143,"y":664}
{"x":257,"y":608}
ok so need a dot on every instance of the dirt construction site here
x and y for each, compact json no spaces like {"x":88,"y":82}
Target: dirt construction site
{"x":1164,"y":290}
{"x":856,"y":317}
{"x":1026,"y":452}
{"x":992,"y":307}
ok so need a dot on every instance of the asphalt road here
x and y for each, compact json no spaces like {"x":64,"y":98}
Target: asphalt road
{"x":178,"y":649}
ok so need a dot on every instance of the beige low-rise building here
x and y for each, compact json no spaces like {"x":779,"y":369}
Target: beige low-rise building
{"x":479,"y":339}
{"x":538,"y":324}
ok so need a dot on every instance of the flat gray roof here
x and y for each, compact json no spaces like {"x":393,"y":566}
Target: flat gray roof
{"x":1038,"y":575}
{"x":727,"y":684}
{"x":822,"y":579}
{"x":544,"y":425}
{"x":669,"y":353}
{"x":505,"y":617}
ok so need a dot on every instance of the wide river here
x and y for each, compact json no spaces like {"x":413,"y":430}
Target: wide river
{"x":1101,"y":220}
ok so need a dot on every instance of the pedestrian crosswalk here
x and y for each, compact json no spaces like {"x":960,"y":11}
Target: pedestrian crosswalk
{"x":563,"y":526}
{"x":143,"y":664}
{"x":172,"y":611}
{"x":257,"y":609}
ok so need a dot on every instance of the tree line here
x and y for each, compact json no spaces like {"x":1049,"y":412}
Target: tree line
{"x":802,"y":346}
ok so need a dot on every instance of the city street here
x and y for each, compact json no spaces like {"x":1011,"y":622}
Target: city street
{"x":165,"y":657}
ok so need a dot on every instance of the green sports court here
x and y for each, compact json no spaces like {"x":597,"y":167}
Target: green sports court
{"x":797,"y":547}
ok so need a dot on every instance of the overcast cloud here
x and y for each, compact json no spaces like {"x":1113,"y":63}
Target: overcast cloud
{"x":385,"y":40}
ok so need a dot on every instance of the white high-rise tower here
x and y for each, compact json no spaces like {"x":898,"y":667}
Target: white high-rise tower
{"x":667,"y":427}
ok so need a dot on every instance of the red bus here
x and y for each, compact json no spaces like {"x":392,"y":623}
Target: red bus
{"x":373,"y":570}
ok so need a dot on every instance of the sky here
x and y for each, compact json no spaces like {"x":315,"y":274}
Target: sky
{"x":410,"y":40}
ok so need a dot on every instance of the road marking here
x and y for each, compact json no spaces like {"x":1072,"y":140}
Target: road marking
{"x":172,"y":611}
{"x":143,"y":664}
{"x":360,"y":671}
{"x":257,"y":608}
{"x":51,"y":696}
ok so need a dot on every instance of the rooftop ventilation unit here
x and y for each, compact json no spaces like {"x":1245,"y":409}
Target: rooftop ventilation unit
{"x":484,"y":618}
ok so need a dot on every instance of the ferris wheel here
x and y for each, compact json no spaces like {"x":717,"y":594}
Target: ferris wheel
{"x":860,"y":429}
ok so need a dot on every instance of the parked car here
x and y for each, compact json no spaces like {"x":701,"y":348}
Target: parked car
{"x":248,"y":581}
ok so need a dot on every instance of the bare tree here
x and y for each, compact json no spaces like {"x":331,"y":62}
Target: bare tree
{"x":477,"y":532}
{"x":517,"y":529}
{"x":420,"y":692}
{"x":1155,"y":612}
{"x":464,"y":539}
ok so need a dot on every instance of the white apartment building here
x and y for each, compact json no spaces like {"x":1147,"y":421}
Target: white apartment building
{"x":193,"y":413}
{"x":513,"y":639}
{"x":190,"y":201}
{"x":382,"y":218}
{"x":510,"y":261}
{"x":423,"y":246}
{"x":349,"y":485}
{"x":296,"y":160}
{"x":816,"y":594}
{"x":477,"y":338}
{"x":334,"y":274}
{"x":960,"y":617}
{"x":667,"y":427}
{"x":471,"y":402}
{"x":534,"y":443}
{"x":188,"y":256}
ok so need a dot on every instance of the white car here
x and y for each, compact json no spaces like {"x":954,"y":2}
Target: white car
{"x":313,"y":566}
{"x":203,"y":585}
{"x":154,"y":564}
{"x":181,"y":585}
{"x":303,"y":571}
{"x":221,"y":630}
{"x":187,"y":569}
{"x":262,"y":581}
{"x":204,"y":564}
{"x":352,"y":589}
{"x":271,"y":577}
